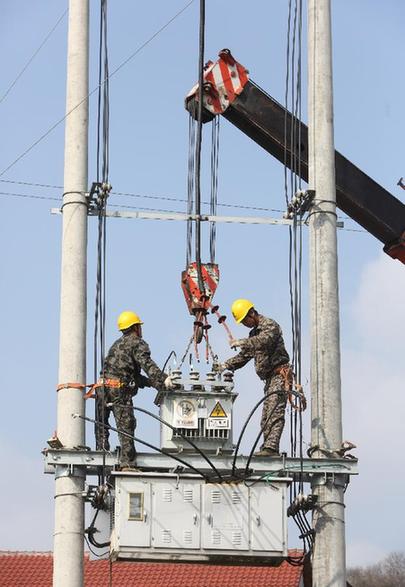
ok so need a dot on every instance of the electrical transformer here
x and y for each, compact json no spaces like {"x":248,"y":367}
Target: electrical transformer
{"x":179,"y":515}
{"x":199,"y":410}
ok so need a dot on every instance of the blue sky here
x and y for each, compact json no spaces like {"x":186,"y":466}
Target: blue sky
{"x":149,"y":143}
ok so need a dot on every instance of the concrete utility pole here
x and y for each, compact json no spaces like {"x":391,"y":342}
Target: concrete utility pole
{"x":329,"y":564}
{"x":69,"y":482}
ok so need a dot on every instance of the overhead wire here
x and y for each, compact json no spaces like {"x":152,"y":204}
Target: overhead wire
{"x":30,"y":60}
{"x":292,"y":183}
{"x":128,"y":206}
{"x":149,"y":197}
{"x":101,"y":196}
{"x":115,"y":71}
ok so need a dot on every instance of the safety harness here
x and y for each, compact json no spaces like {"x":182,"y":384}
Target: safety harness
{"x":291,"y":386}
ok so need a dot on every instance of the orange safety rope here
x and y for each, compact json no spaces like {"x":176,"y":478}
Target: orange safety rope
{"x":92,"y":386}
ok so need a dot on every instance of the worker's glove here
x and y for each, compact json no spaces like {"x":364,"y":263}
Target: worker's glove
{"x":219,"y":367}
{"x":169,"y":383}
{"x":234,"y":343}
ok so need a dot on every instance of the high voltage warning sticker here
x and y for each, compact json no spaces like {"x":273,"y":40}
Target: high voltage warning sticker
{"x":218,"y":411}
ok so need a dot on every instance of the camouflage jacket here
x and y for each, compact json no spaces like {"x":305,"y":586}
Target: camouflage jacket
{"x":127,"y":357}
{"x":265,"y":345}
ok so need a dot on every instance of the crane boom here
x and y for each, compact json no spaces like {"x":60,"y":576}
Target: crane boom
{"x":265,"y":121}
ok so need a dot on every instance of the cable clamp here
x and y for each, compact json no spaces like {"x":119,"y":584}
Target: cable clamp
{"x":299,"y":204}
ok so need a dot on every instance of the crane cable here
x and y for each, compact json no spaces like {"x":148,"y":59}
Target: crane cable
{"x":214,"y":184}
{"x":198,"y":144}
{"x":194,"y":197}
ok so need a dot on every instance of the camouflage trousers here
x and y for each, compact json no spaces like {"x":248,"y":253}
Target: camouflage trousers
{"x":273,"y":414}
{"x":122,"y":408}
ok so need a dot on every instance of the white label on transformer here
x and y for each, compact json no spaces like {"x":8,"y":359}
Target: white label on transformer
{"x":185,"y":413}
{"x":215,"y":423}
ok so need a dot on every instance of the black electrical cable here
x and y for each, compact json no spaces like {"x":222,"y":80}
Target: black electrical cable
{"x":102,"y":155}
{"x":261,"y":430}
{"x":293,"y":183}
{"x":102,"y":555}
{"x":172,"y":353}
{"x":90,"y":531}
{"x":243,"y":431}
{"x":287,"y":81}
{"x":191,"y":443}
{"x":136,"y":439}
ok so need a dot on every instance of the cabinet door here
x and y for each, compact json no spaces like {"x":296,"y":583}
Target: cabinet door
{"x":176,"y":515}
{"x":268,"y":528}
{"x":133,"y":513}
{"x":225,"y":523}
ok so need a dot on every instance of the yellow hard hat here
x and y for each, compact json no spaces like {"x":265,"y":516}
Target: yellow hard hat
{"x":127,"y":319}
{"x":240,"y":308}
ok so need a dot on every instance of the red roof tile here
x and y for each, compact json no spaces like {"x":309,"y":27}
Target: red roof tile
{"x":34,"y":569}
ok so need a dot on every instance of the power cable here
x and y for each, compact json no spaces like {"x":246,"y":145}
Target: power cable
{"x":127,"y":60}
{"x":101,"y":193}
{"x":243,"y":431}
{"x":292,"y":182}
{"x":267,"y":395}
{"x":149,"y":197}
{"x":190,"y":442}
{"x":136,"y":439}
{"x":30,"y":60}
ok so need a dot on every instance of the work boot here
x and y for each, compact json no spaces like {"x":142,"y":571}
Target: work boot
{"x":266,"y":452}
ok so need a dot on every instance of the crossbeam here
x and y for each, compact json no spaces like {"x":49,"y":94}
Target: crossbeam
{"x":283,"y":465}
{"x":140,"y":215}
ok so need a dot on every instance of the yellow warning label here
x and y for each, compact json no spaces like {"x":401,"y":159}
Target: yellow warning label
{"x":218,"y":411}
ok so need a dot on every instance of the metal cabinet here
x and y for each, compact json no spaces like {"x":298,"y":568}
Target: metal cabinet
{"x":267,"y":518}
{"x":133,"y":512}
{"x":225,"y":524}
{"x":169,"y":516}
{"x":176,"y":515}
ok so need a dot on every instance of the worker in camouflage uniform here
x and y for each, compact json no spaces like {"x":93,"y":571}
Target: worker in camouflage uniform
{"x":121,"y":380}
{"x":266,"y":346}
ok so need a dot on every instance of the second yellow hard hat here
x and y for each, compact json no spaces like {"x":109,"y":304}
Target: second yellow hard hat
{"x":127,"y":319}
{"x":240,"y":308}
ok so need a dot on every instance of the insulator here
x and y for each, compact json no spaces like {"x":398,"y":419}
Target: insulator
{"x":194,"y":375}
{"x":228,"y":376}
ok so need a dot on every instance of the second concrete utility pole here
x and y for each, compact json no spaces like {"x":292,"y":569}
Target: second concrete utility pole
{"x":329,"y":565}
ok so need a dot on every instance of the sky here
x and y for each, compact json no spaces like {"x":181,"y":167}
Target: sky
{"x":148,"y":157}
